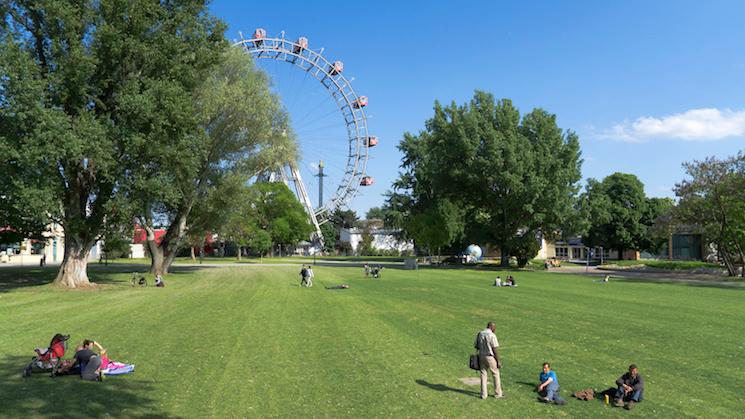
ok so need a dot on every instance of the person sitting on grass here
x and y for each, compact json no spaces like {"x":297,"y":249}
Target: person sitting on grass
{"x":548,"y":389}
{"x":89,"y":362}
{"x":604,"y":280}
{"x":630,"y":389}
{"x":511,"y":281}
{"x":159,"y":281}
{"x":498,"y":282}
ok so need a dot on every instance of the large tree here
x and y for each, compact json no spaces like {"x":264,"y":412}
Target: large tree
{"x":242,"y":131}
{"x":713,"y":198}
{"x":88,"y":90}
{"x":510,"y":177}
{"x":620,"y":216}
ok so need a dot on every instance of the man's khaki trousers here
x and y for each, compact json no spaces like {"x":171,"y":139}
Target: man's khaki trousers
{"x":487,"y":364}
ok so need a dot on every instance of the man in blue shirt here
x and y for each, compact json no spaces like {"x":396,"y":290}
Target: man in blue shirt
{"x":548,"y":389}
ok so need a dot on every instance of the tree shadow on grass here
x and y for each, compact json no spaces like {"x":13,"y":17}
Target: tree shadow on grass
{"x":443,"y":387}
{"x":730,"y":285}
{"x":11,"y":278}
{"x":70,"y":397}
{"x":27,"y":277}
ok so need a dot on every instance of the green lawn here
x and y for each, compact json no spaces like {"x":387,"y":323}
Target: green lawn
{"x":249,"y":342}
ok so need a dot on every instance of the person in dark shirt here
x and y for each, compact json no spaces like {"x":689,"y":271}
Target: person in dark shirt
{"x":89,"y":362}
{"x":630,"y":389}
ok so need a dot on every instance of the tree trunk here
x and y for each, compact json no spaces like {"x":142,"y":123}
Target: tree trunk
{"x":240,"y":250}
{"x":731,"y":269}
{"x":193,"y":255}
{"x":156,"y":252}
{"x":168,"y":261}
{"x":156,"y":258}
{"x":504,"y":256}
{"x":73,"y":271}
{"x":164,"y":253}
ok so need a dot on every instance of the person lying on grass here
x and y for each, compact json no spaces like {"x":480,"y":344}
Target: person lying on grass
{"x":630,"y":389}
{"x":338,"y":287}
{"x":548,"y":389}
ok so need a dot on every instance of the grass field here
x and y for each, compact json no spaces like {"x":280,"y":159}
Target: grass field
{"x":249,"y":342}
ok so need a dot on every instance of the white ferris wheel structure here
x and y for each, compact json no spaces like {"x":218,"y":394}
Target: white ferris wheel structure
{"x":350,"y":106}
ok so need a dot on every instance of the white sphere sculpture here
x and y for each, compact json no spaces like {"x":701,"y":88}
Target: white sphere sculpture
{"x":474,"y":251}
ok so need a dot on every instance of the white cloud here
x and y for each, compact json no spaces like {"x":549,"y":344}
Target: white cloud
{"x":707,"y":124}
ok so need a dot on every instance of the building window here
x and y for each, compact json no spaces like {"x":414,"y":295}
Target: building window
{"x":577,"y":253}
{"x":562,"y":252}
{"x":605,"y":252}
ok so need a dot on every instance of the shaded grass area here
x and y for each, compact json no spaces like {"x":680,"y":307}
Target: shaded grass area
{"x":284,"y":259}
{"x":665,"y":264}
{"x":249,"y":342}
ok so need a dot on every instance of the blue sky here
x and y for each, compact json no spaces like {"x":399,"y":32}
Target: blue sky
{"x":647,"y":85}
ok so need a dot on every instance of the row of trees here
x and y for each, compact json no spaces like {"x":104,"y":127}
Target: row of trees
{"x":483,"y":173}
{"x":117,"y":110}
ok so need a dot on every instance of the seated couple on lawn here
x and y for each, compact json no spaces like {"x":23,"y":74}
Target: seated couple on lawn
{"x":90,"y":365}
{"x":509,"y":282}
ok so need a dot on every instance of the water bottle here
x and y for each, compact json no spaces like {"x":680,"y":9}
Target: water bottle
{"x":607,"y":399}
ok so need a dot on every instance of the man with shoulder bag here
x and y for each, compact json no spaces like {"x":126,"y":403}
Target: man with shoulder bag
{"x":487,"y":346}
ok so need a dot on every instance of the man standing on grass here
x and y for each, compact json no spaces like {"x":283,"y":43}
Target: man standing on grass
{"x":486,"y":343}
{"x":630,"y":388}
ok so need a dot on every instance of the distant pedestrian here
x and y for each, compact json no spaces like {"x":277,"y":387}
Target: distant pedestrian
{"x":487,"y":344}
{"x":311,"y":275}
{"x":367,"y":270}
{"x":304,"y":276}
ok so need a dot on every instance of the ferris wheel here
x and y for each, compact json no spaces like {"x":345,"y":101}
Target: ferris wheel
{"x":350,"y":119}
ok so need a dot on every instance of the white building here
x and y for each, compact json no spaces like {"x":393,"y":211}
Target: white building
{"x":383,"y":240}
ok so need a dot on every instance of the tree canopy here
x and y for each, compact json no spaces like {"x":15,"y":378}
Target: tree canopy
{"x":241,"y":131}
{"x":276,"y":210}
{"x":482,"y":172}
{"x":88,"y":90}
{"x":713,"y":198}
{"x":620,"y":216}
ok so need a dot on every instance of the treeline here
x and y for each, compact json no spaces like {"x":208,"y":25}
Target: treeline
{"x":483,"y":173}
